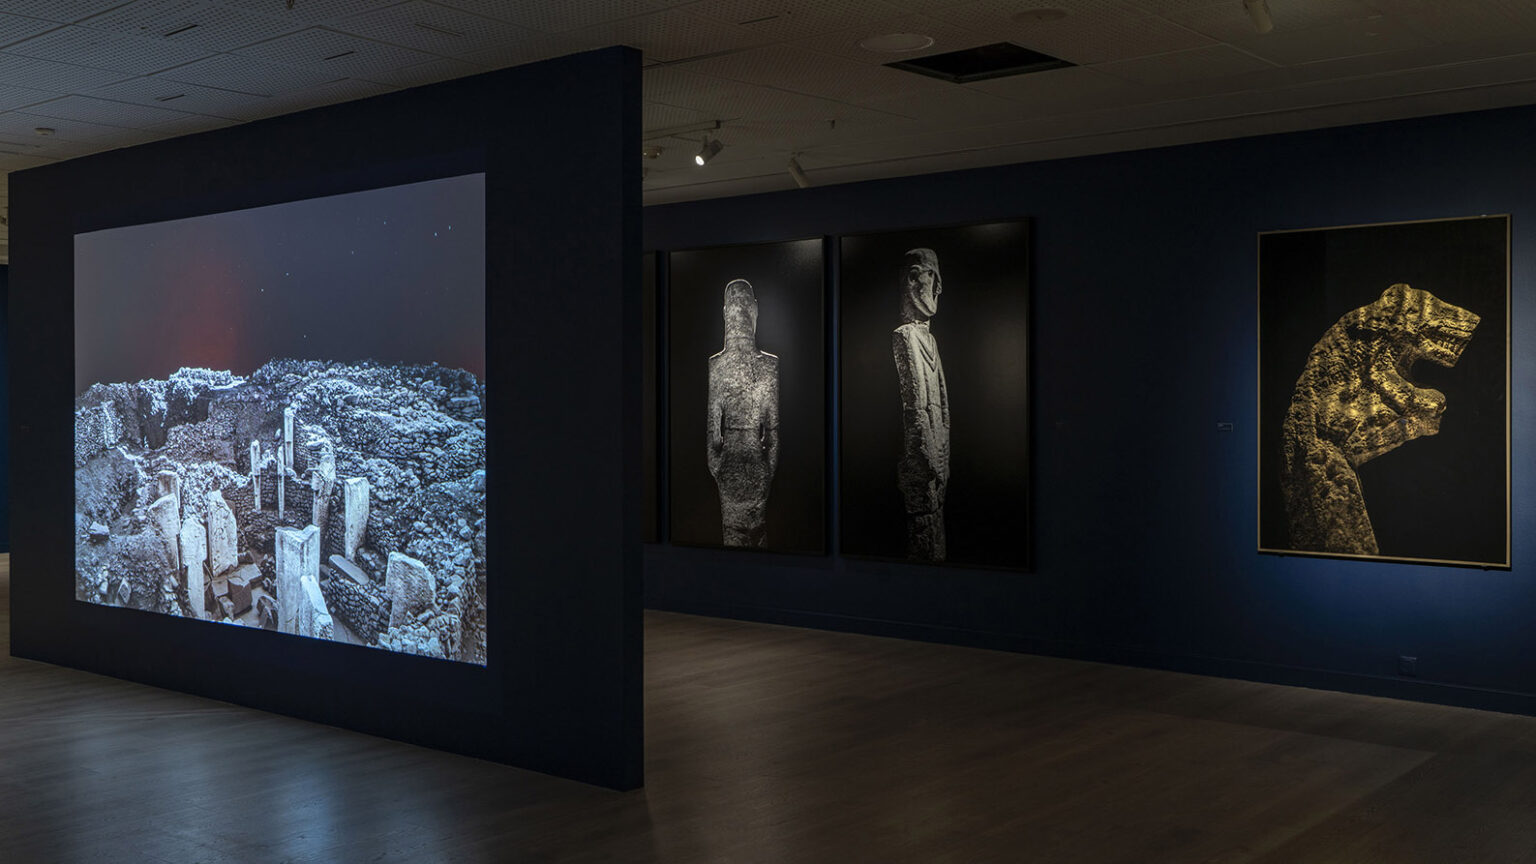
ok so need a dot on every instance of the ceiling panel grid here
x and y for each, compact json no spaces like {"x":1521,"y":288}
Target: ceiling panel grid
{"x":100,"y":49}
{"x":194,"y":23}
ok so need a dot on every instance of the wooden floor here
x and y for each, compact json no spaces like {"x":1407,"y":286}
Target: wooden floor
{"x":770,"y":744}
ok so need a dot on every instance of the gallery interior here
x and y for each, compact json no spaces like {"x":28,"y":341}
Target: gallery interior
{"x":767,"y":430}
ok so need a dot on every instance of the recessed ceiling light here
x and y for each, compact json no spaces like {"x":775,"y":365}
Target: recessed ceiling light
{"x":1039,"y":16}
{"x":43,"y":130}
{"x":896,"y":43}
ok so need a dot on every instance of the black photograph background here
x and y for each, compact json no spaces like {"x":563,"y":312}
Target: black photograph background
{"x":1442,"y":497}
{"x":982,"y":331}
{"x":787,"y":279}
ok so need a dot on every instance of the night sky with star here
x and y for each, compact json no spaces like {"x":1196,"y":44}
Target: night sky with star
{"x":395,"y":275}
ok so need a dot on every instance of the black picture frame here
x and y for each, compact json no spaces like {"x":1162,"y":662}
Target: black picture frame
{"x":1440,"y":498}
{"x":788,"y":279}
{"x":983,"y":329}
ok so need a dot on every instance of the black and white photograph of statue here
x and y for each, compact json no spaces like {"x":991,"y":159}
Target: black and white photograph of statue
{"x":280,"y":418}
{"x":1383,"y":403}
{"x":746,"y":387}
{"x":935,"y":390}
{"x":923,"y":472}
{"x":742,"y":422}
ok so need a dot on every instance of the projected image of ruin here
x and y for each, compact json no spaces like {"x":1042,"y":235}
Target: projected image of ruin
{"x":280,"y":418}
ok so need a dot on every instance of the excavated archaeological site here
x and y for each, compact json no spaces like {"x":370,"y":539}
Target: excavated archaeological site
{"x":336,"y":501}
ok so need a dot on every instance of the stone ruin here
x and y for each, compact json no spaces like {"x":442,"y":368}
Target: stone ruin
{"x":335,"y":501}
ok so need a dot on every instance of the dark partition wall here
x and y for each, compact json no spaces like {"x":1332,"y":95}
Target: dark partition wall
{"x":5,"y":407}
{"x":560,"y":688}
{"x":1144,"y":315}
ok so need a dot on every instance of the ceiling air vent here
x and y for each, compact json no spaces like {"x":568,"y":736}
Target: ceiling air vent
{"x":997,"y":60}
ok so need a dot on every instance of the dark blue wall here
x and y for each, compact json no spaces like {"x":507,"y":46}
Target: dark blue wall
{"x":561,"y":691}
{"x":5,"y":413}
{"x":1145,"y":523}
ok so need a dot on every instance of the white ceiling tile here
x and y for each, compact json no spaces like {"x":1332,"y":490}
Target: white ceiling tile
{"x":777,"y":20}
{"x":1059,"y":91}
{"x":65,"y":11}
{"x":953,"y":107}
{"x":107,"y":113}
{"x":160,"y":92}
{"x":669,"y":36}
{"x":48,"y":148}
{"x":314,"y":11}
{"x":194,"y":23}
{"x":247,"y":75}
{"x":14,"y":28}
{"x":1463,"y":20}
{"x":560,"y":16}
{"x":845,"y":43}
{"x":430,"y":27}
{"x":329,"y":93}
{"x":41,"y":74}
{"x":1094,"y":31}
{"x":657,"y":116}
{"x":103,"y":50}
{"x":1229,"y":22}
{"x":823,"y":76}
{"x":429,"y":72}
{"x":22,"y":124}
{"x":12,"y":98}
{"x":339,"y":53}
{"x":1217,"y":61}
{"x":1333,"y":41}
{"x":733,"y":100}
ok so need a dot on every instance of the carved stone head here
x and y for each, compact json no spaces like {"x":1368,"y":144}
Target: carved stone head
{"x":921,"y":285}
{"x":740,"y":311}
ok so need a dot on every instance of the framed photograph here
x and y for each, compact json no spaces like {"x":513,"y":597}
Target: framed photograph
{"x":1383,"y":426}
{"x":280,"y":418}
{"x":935,"y":394}
{"x":746,"y":392}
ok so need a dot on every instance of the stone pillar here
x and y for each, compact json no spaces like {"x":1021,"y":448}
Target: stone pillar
{"x":322,"y":481}
{"x":194,"y":551}
{"x":223,"y":535}
{"x":312,"y":618}
{"x":288,"y":436}
{"x":298,"y":556}
{"x":410,"y":588}
{"x":282,"y":476}
{"x":165,"y":517}
{"x":354,"y":501}
{"x":169,"y":483}
{"x":256,"y":472}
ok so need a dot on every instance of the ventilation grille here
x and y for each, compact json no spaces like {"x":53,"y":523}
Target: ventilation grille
{"x":998,"y":60}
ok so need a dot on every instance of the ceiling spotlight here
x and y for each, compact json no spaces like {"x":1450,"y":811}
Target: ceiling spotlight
{"x":798,"y":173}
{"x":1258,"y":10}
{"x":710,"y":149}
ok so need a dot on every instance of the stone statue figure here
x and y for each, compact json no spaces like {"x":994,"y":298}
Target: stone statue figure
{"x":1356,"y":400}
{"x":743,"y":433}
{"x":923,"y":472}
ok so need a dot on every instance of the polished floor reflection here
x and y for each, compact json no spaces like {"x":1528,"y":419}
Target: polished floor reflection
{"x":770,"y":744}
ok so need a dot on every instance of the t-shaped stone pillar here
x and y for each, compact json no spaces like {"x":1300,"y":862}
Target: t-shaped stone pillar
{"x":282,"y":477}
{"x":410,"y":588}
{"x":194,"y":551}
{"x":298,"y":558}
{"x":166,"y":521}
{"x":288,"y":436}
{"x":256,"y":472}
{"x":223,"y":534}
{"x":354,"y":494}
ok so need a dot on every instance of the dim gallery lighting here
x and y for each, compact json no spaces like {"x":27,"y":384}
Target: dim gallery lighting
{"x":710,"y":149}
{"x":1258,"y":10}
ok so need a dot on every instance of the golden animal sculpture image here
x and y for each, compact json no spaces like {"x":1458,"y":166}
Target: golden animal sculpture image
{"x":1355,"y":401}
